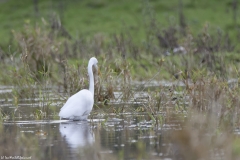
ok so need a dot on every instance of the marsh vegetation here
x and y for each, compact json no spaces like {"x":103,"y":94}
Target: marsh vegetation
{"x":173,"y":94}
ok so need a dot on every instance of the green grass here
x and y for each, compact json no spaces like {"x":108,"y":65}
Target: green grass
{"x":84,"y":19}
{"x":111,"y":16}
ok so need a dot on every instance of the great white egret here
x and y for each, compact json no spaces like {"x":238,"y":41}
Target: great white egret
{"x":79,"y":105}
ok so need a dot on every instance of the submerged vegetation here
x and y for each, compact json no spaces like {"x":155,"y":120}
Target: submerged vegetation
{"x":171,"y":72}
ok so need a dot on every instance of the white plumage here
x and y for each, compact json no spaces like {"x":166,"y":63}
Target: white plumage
{"x":79,"y":105}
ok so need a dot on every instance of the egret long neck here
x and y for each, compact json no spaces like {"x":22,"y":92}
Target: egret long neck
{"x":91,"y":79}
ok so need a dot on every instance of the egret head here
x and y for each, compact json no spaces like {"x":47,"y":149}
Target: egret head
{"x":93,"y":61}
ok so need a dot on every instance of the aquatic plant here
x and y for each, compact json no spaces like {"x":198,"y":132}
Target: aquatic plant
{"x":211,"y":110}
{"x":37,"y":49}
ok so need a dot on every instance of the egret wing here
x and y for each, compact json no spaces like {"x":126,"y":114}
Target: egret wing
{"x":78,"y":105}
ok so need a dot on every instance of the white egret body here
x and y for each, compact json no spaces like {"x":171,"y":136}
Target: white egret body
{"x":79,"y":105}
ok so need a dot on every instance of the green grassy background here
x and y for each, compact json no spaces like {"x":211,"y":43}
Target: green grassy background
{"x":88,"y":17}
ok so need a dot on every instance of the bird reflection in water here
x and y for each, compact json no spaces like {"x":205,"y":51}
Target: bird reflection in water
{"x":77,"y":134}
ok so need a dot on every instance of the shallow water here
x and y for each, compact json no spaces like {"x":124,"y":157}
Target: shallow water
{"x":128,"y":135}
{"x":128,"y":138}
{"x":31,"y":128}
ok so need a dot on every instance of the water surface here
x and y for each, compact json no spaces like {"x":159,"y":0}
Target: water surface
{"x":31,"y":128}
